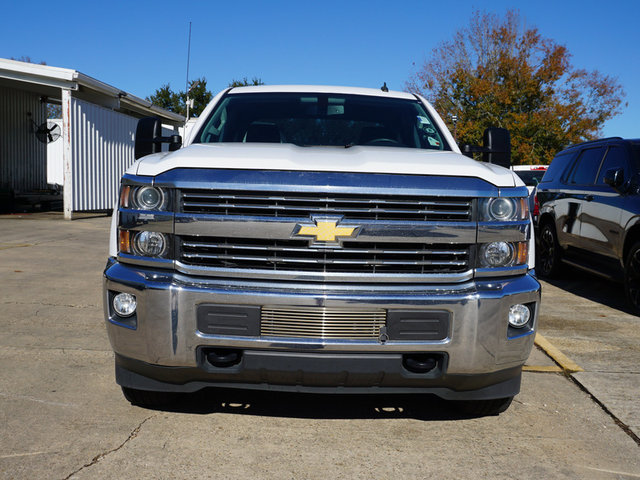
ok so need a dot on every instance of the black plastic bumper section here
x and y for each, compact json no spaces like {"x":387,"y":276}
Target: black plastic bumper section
{"x":320,"y":373}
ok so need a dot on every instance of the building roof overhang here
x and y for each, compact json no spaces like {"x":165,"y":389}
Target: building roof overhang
{"x":48,"y":81}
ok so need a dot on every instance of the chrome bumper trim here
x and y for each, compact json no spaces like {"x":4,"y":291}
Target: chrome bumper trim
{"x":167,"y":303}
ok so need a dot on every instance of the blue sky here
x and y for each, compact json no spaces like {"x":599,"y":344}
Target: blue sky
{"x":137,"y":46}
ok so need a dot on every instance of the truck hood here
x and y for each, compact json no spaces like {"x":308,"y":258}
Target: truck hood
{"x":357,"y":159}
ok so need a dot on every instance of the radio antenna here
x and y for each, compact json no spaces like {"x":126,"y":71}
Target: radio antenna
{"x":186,"y":88}
{"x":188,"y":58}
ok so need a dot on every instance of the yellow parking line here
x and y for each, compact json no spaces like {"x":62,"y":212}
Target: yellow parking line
{"x":7,"y":246}
{"x":567,"y":365}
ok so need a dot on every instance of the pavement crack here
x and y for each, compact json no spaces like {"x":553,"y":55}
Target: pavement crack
{"x":99,"y":457}
{"x":44,"y":304}
{"x":64,"y":350}
{"x":625,"y":428}
{"x":616,"y":372}
{"x":37,"y":400}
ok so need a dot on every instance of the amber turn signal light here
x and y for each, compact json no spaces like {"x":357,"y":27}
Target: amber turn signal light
{"x":124,"y":196}
{"x":522,"y":253}
{"x":125,"y":241}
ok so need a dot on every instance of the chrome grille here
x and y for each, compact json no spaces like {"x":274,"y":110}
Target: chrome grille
{"x":300,"y":204}
{"x":321,"y":322}
{"x":297,"y":255}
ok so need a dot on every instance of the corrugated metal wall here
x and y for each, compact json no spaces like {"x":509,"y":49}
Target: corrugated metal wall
{"x":101,"y":151}
{"x":23,"y":159}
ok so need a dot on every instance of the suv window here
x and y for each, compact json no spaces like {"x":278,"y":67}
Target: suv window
{"x":635,"y":156}
{"x":616,"y":158}
{"x":558,"y":165}
{"x":586,"y":167}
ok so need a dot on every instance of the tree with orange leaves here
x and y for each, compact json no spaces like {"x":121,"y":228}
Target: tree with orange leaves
{"x":496,"y":72}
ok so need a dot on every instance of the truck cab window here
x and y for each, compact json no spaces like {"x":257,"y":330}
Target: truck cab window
{"x":322,"y":120}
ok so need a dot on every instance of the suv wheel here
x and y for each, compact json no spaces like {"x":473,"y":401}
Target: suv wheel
{"x":632,"y":278}
{"x":548,"y":254}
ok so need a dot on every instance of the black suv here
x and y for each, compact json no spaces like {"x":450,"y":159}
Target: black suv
{"x":590,"y":212}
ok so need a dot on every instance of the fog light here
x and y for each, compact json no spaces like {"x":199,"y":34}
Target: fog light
{"x":519,"y":315}
{"x":124,"y":304}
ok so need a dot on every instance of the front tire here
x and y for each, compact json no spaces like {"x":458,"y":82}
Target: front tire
{"x":548,"y":255}
{"x":632,"y":278}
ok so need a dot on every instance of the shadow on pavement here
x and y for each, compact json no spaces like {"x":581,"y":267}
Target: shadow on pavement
{"x":310,"y":406}
{"x":592,"y":287}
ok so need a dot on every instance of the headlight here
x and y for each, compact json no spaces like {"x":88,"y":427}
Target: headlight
{"x":496,"y":254}
{"x":503,"y":254}
{"x":504,"y":209}
{"x":143,"y":198}
{"x":150,"y":244}
{"x":149,"y":198}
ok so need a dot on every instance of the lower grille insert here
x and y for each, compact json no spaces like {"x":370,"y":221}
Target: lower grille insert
{"x":322,"y":322}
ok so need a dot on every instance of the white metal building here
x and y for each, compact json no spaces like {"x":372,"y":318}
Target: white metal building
{"x":98,"y":128}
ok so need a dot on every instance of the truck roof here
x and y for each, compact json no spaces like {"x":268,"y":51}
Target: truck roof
{"x":321,"y":89}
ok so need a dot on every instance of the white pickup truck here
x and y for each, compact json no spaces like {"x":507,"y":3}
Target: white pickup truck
{"x":321,"y":239}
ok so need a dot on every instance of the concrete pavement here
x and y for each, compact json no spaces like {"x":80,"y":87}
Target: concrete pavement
{"x":587,"y":318}
{"x":62,"y":415}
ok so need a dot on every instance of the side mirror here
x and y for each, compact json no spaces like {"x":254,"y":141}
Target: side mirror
{"x":175,"y":142}
{"x":148,"y":129}
{"x":496,"y":147}
{"x":614,"y":178}
{"x":149,"y":138}
{"x":497,"y":144}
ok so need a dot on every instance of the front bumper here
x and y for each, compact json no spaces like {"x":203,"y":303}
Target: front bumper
{"x":481,"y":357}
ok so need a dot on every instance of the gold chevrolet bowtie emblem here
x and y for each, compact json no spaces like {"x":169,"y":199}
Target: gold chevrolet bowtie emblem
{"x":325,"y":231}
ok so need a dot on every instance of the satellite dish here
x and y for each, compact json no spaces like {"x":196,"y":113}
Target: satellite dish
{"x":48,"y":132}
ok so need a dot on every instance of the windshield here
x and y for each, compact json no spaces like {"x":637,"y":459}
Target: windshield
{"x":321,"y":119}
